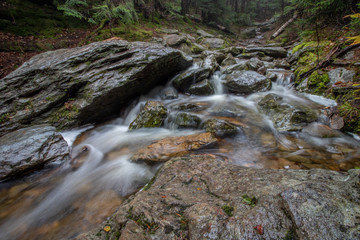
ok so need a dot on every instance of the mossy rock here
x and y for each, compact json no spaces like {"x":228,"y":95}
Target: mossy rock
{"x":187,"y":120}
{"x":220,"y":128}
{"x":152,"y":115}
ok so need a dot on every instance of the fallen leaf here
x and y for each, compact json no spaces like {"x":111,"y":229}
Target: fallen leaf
{"x":107,"y":228}
{"x":259,"y":229}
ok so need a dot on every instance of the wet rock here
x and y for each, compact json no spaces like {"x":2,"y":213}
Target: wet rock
{"x":185,"y":47}
{"x":30,"y":148}
{"x":276,"y":52}
{"x":191,"y":193}
{"x":202,"y":33}
{"x":281,"y":64}
{"x":267,"y":59}
{"x":320,"y":130}
{"x":213,"y":43}
{"x":167,"y":148}
{"x":241,"y":65}
{"x":286,"y":116}
{"x":254,"y":64}
{"x":233,"y":50}
{"x":246,"y":82}
{"x":169,"y":93}
{"x":213,"y":55}
{"x":174,"y":40}
{"x":192,"y":107}
{"x":248,"y":32}
{"x":190,"y":76}
{"x":220,"y":128}
{"x":152,"y":115}
{"x":70,"y":87}
{"x":187,"y":120}
{"x":203,"y":88}
{"x":340,"y":75}
{"x":228,"y":61}
{"x":211,"y":62}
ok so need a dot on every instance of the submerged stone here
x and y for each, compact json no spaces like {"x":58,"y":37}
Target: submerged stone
{"x":220,"y":128}
{"x":187,"y":120}
{"x":190,"y":76}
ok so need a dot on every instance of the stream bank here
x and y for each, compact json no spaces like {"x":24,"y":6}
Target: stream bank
{"x":253,"y":136}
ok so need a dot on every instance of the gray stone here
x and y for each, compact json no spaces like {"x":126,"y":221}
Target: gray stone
{"x":169,"y":93}
{"x":220,"y":128}
{"x":228,"y":61}
{"x":187,"y":120}
{"x":71,"y":87}
{"x":174,"y":40}
{"x":340,"y":75}
{"x":202,"y":33}
{"x":276,"y":52}
{"x":30,"y":148}
{"x":246,"y":82}
{"x":203,"y":88}
{"x":190,"y":76}
{"x":241,"y":65}
{"x":255,"y":63}
{"x":248,"y":33}
{"x":213,"y":43}
{"x":169,"y":31}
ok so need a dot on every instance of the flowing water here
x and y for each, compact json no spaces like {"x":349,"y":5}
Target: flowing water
{"x":62,"y":202}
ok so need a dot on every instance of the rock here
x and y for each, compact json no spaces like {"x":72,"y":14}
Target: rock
{"x":191,"y":107}
{"x":169,"y":31}
{"x":267,"y":59}
{"x":213,"y":43}
{"x":211,"y":62}
{"x":276,"y":52}
{"x":248,"y":33}
{"x":197,"y":48}
{"x":228,"y":61}
{"x":190,"y":76}
{"x":203,"y":88}
{"x":241,"y":65}
{"x":286,"y":116}
{"x":169,"y":93}
{"x":152,"y":115}
{"x":254,"y":64}
{"x":202,"y":33}
{"x":333,"y":116}
{"x":281,"y":76}
{"x":233,"y":50}
{"x":185,"y":48}
{"x":320,"y":130}
{"x":217,"y":55}
{"x":187,"y":120}
{"x":174,"y":40}
{"x":71,"y":87}
{"x":167,"y":148}
{"x":281,"y":63}
{"x":340,"y":75}
{"x":220,"y":128}
{"x":202,"y":197}
{"x":30,"y":148}
{"x":246,"y":82}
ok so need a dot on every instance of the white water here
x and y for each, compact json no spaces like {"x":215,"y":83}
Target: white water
{"x":101,"y":161}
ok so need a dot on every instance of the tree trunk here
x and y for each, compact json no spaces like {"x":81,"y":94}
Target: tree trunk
{"x":284,"y":26}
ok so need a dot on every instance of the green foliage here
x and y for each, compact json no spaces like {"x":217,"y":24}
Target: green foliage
{"x":96,"y":11}
{"x":249,"y":200}
{"x":318,"y":81}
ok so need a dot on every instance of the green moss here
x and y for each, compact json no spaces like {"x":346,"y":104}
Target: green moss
{"x":290,"y":235}
{"x":228,"y":210}
{"x":351,"y":115}
{"x":318,"y":81}
{"x":66,"y":114}
{"x":314,"y":44}
{"x":249,"y":200}
{"x":4,"y":118}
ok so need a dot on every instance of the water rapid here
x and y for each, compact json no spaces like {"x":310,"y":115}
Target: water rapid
{"x":66,"y":201}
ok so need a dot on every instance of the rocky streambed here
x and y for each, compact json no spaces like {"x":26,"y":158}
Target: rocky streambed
{"x":119,"y":140}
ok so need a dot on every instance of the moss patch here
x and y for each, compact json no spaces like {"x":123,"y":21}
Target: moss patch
{"x":228,"y":210}
{"x":318,"y":81}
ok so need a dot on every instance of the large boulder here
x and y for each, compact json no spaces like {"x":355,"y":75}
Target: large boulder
{"x":175,"y":40}
{"x":70,"y":87}
{"x":30,"y":148}
{"x":152,"y":115}
{"x":203,"y":197}
{"x":246,"y":82}
{"x":340,"y":75}
{"x":202,"y":33}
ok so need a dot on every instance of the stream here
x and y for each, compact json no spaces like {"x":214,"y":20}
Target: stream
{"x":64,"y":201}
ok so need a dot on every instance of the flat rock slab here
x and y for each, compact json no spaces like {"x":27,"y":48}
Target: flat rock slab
{"x":167,"y":148}
{"x":202,"y":197}
{"x":71,"y":87}
{"x":30,"y":148}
